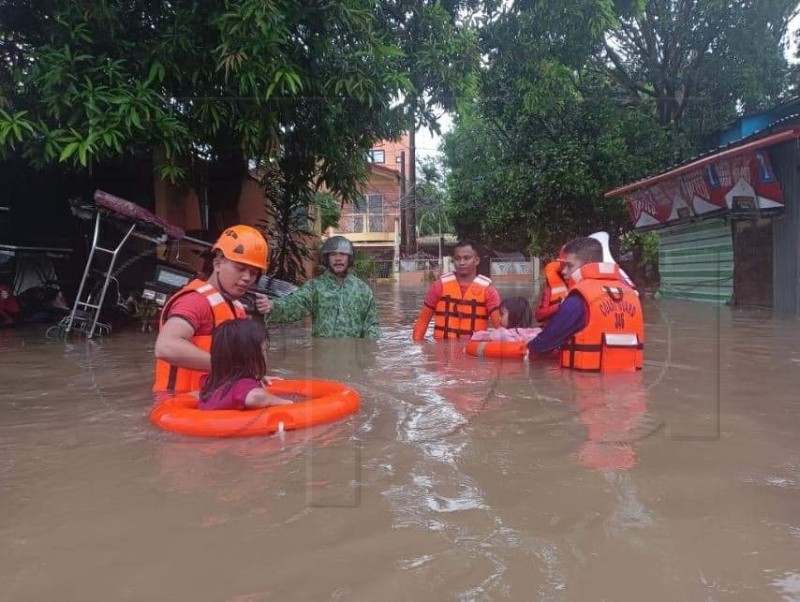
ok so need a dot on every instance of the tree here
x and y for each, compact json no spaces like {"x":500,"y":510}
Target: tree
{"x":701,"y":61}
{"x":577,"y":98}
{"x":529,"y":162}
{"x":432,"y":203}
{"x":536,"y":192}
{"x":304,"y":86}
{"x":329,"y":209}
{"x":440,"y":59}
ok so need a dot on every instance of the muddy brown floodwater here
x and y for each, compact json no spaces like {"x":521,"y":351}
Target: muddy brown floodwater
{"x":459,"y":478}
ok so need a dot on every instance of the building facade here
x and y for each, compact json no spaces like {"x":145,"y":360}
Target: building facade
{"x":728,"y":220}
{"x":373,"y":222}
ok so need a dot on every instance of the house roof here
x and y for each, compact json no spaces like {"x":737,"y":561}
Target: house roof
{"x":382,"y":170}
{"x":756,"y":141}
{"x":786,"y":105}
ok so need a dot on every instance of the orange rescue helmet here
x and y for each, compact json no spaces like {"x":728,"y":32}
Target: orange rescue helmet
{"x":244,"y":244}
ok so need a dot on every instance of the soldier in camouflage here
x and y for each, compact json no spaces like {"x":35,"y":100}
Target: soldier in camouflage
{"x":339,"y":303}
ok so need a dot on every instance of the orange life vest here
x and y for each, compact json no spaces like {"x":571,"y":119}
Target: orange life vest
{"x":173,"y":378}
{"x":554,"y":293}
{"x":613,"y":339}
{"x":457,"y":316}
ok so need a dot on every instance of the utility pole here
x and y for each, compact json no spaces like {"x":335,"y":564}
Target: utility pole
{"x":411,"y":218}
{"x":401,"y":200}
{"x":441,"y":239}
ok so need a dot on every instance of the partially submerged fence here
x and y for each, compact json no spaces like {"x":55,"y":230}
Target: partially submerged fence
{"x":422,"y":270}
{"x":501,"y":267}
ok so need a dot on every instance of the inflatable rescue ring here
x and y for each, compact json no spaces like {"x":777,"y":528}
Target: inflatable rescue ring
{"x":498,"y":349}
{"x":322,"y":401}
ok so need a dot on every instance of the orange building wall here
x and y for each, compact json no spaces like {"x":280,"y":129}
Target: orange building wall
{"x":392,"y":151}
{"x":384,"y":184}
{"x":180,"y":206}
{"x":252,"y":210}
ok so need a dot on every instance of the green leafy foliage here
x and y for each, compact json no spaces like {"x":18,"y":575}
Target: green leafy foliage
{"x":535,"y":187}
{"x":438,"y":53}
{"x":207,"y":85}
{"x":578,"y":98}
{"x":641,"y":244}
{"x":286,"y":226}
{"x":329,"y":209}
{"x":701,"y":62}
{"x":432,"y":201}
{"x":364,"y":266}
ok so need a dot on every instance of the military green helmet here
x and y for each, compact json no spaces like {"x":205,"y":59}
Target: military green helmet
{"x":337,"y":244}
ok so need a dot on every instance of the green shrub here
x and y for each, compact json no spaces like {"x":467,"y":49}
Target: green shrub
{"x":364,"y":266}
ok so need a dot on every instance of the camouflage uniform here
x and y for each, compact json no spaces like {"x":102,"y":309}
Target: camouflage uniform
{"x":338,"y":309}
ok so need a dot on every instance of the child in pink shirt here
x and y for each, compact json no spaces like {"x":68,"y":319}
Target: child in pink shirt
{"x":238,"y":368}
{"x":516,"y":318}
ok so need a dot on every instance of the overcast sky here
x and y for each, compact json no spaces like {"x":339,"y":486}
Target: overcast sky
{"x":427,"y":145}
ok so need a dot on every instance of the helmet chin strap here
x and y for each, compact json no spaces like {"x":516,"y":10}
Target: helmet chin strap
{"x":214,"y":281}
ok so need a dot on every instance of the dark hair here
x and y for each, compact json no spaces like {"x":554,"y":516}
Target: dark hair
{"x":466,"y":242}
{"x":236,"y":353}
{"x":207,"y":269}
{"x":520,"y":314}
{"x":588,"y":250}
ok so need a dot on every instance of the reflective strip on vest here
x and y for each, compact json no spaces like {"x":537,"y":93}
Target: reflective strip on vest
{"x":613,"y":338}
{"x":602,"y":270}
{"x":559,"y":290}
{"x":457,"y":316}
{"x":215,"y":299}
{"x":622,"y":340}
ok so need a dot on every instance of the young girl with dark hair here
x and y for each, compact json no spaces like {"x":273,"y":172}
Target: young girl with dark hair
{"x":238,"y":368}
{"x":516,"y":319}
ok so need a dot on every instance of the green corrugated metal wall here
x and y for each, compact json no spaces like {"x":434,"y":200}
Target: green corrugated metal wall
{"x":696,"y":262}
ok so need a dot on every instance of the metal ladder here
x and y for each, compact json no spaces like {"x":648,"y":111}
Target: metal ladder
{"x":94,"y":309}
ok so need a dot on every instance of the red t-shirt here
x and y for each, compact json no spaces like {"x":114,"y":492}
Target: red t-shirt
{"x":435,"y":293}
{"x":8,"y":302}
{"x":232,"y":398}
{"x":194,"y":308}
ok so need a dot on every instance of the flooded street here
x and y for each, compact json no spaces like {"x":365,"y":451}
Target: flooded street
{"x":459,"y":478}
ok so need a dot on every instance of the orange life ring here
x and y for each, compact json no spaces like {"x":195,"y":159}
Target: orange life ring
{"x":325,"y":401}
{"x":498,"y":349}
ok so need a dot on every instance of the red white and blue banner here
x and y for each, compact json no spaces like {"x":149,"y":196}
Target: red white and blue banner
{"x":738,"y":181}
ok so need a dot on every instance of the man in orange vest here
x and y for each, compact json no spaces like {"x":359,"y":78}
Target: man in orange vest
{"x":554,"y":291}
{"x":461,"y":301}
{"x":191,"y":315}
{"x":599,"y":327}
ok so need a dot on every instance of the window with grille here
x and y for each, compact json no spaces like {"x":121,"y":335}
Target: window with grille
{"x":367,"y":216}
{"x":376,"y":220}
